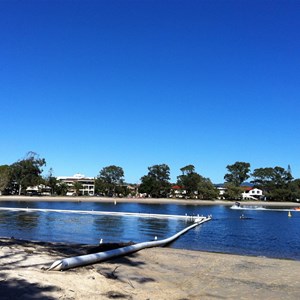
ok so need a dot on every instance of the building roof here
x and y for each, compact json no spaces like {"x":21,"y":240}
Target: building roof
{"x":176,"y":187}
{"x":76,"y":176}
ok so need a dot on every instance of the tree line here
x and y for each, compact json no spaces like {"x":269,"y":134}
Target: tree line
{"x":276,"y":183}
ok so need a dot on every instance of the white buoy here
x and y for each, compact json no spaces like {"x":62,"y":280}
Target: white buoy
{"x":101,"y":241}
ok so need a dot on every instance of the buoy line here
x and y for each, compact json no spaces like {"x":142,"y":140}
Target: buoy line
{"x":95,"y":212}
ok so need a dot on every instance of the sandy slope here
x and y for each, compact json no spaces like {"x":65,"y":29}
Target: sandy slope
{"x":156,"y":273}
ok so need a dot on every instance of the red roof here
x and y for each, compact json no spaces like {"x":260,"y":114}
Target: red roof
{"x":176,"y":187}
{"x":247,"y":188}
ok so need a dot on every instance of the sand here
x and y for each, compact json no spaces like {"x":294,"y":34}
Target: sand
{"x":155,"y":273}
{"x":144,"y":200}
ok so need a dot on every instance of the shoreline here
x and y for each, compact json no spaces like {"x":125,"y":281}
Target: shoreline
{"x":143,"y":200}
{"x":152,"y":273}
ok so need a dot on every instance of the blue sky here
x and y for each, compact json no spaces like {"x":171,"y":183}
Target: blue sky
{"x":87,"y":84}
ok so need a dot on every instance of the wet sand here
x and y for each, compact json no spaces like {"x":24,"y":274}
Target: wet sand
{"x":155,"y":273}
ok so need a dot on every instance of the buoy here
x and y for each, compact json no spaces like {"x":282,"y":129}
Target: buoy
{"x":289,"y":214}
{"x":101,"y":241}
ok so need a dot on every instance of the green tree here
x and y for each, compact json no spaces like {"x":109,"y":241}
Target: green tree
{"x":189,"y":180}
{"x":77,"y":187}
{"x":156,"y":182}
{"x":189,"y":169}
{"x":206,"y":189}
{"x":294,"y":188}
{"x":61,"y":188}
{"x":262,"y":177}
{"x":51,"y":181}
{"x":275,"y":182}
{"x":195,"y":185}
{"x":271,"y":177}
{"x":238,"y":173}
{"x":27,"y":172}
{"x":281,"y":177}
{"x":233,"y":192}
{"x":4,"y":177}
{"x":109,"y":179}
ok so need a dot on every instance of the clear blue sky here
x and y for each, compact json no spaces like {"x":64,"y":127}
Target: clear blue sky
{"x":87,"y":84}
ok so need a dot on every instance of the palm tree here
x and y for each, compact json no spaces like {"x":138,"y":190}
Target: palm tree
{"x":77,"y":186}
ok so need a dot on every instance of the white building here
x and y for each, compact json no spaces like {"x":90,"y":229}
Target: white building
{"x":222,"y":190}
{"x":40,"y":189}
{"x":253,"y":194}
{"x":87,"y":184}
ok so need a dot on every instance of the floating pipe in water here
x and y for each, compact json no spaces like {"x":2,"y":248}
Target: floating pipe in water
{"x":82,"y":260}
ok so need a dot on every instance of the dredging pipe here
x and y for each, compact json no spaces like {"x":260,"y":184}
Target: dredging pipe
{"x":82,"y":260}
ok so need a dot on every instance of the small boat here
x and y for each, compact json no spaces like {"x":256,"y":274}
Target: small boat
{"x":247,"y":207}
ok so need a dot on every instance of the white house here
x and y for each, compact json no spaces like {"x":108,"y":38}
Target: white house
{"x":222,"y":190}
{"x":253,"y":194}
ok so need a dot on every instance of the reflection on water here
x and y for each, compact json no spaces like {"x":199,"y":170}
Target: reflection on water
{"x":27,"y":220}
{"x":116,"y":226}
{"x":152,"y":225}
{"x":267,"y":233}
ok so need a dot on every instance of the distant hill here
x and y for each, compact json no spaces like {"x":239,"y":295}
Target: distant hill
{"x":243,"y":184}
{"x":247,"y":184}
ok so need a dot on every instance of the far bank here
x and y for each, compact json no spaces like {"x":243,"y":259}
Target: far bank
{"x":143,"y":200}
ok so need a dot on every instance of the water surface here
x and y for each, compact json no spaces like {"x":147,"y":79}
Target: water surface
{"x":263,"y":233}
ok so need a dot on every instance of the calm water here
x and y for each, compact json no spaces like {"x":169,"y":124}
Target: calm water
{"x":265,"y":233}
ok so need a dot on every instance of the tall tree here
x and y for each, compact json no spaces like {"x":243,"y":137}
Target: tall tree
{"x":189,"y":180}
{"x":77,"y":187}
{"x":189,"y":169}
{"x":271,"y":177}
{"x":4,"y":177}
{"x":62,"y":188}
{"x":282,"y":177}
{"x":27,"y":172}
{"x":294,"y":188}
{"x":156,"y":182}
{"x":233,"y":192}
{"x":276,"y":182}
{"x":195,"y":185}
{"x":238,"y":173}
{"x":51,"y":181}
{"x":109,"y":179}
{"x":206,"y":189}
{"x":289,"y":169}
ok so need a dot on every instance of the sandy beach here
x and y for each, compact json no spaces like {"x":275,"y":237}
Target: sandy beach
{"x":155,"y":273}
